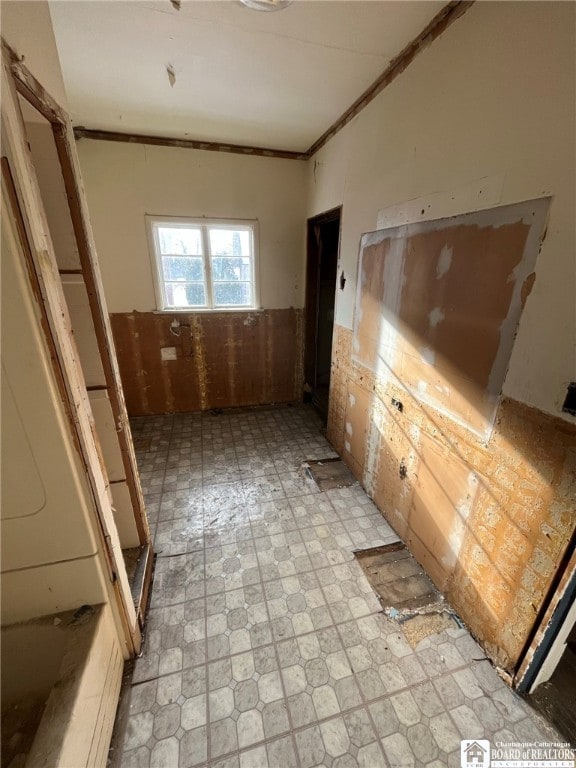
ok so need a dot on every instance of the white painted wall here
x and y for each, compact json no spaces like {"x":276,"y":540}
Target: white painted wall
{"x":486,"y":116}
{"x":27,"y":27}
{"x":124,"y":182}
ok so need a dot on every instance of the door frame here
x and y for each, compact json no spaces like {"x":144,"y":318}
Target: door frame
{"x":312,"y":284}
{"x":18,"y":170}
{"x":550,"y":626}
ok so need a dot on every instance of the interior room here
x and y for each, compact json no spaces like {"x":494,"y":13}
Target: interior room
{"x":288,"y":330}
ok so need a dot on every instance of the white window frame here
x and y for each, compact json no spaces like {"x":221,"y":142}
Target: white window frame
{"x":152,"y":224}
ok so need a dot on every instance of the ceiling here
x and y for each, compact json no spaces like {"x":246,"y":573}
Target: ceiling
{"x":275,"y":80}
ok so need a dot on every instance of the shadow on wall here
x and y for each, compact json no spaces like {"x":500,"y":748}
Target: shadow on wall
{"x":478,"y":488}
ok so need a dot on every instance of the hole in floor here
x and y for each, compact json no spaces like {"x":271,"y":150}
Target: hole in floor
{"x":329,"y":473}
{"x":406,"y":593}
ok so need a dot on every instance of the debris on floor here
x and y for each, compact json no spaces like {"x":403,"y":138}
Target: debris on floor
{"x":422,"y":625}
{"x":265,"y":642}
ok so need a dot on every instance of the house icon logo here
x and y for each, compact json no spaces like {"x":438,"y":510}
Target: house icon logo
{"x":475,"y":754}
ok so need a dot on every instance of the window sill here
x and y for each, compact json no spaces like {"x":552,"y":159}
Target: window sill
{"x":204,"y":311}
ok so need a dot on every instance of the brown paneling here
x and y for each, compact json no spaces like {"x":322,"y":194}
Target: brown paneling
{"x":491,"y":521}
{"x":223,"y":359}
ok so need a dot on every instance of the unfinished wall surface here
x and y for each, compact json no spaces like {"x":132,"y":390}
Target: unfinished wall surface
{"x":488,"y":521}
{"x":471,"y":124}
{"x":474,"y":122}
{"x":218,"y":360}
{"x":438,"y":305}
{"x":124,"y":182}
{"x":53,"y":193}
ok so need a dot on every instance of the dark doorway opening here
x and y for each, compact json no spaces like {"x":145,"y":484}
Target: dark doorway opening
{"x":556,"y":698}
{"x":322,"y":263}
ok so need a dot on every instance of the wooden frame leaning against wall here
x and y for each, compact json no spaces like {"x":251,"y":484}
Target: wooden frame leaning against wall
{"x":19,"y":174}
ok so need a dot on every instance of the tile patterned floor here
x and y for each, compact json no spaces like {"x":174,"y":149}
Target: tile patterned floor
{"x":265,"y":643}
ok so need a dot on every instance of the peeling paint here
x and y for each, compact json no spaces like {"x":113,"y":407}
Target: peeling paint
{"x":171,"y":75}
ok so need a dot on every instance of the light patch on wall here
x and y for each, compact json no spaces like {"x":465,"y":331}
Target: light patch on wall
{"x":435,"y":317}
{"x":444,"y":262}
{"x":428,"y":355}
{"x":168,"y":353}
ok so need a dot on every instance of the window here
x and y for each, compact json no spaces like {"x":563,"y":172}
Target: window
{"x":201,"y":264}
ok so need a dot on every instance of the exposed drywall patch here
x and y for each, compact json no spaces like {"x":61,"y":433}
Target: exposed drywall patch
{"x":426,"y":310}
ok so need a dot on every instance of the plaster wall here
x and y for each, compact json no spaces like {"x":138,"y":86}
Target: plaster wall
{"x":485,"y":116}
{"x":27,"y":28}
{"x":124,"y":182}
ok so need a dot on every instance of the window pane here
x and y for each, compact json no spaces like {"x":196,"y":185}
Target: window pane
{"x":185,"y":294}
{"x":229,"y":242}
{"x":231,"y":268}
{"x":183,"y":268}
{"x":180,"y":240}
{"x":232,"y":294}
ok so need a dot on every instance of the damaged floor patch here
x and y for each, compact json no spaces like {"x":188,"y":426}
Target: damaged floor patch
{"x":329,"y":474}
{"x":142,"y":443}
{"x":405,"y":591}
